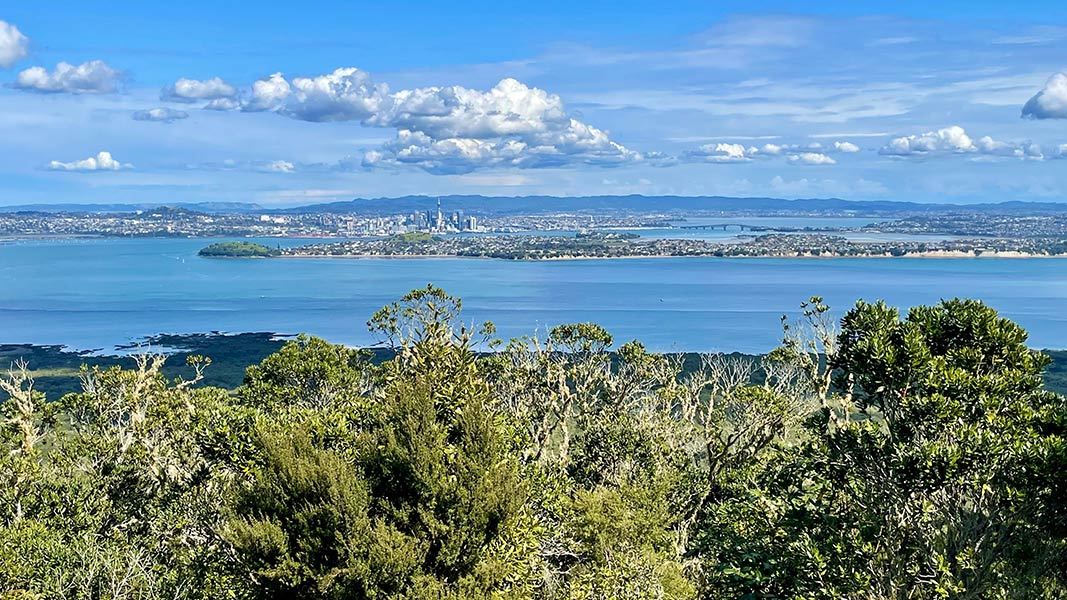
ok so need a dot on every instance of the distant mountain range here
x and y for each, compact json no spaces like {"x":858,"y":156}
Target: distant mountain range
{"x":502,"y":205}
{"x":532,"y":205}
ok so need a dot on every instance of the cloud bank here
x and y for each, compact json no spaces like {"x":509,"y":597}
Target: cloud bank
{"x":191,"y":90}
{"x":458,"y":130}
{"x":1050,"y":102}
{"x":347,"y":94}
{"x":955,"y":140}
{"x":13,"y":45}
{"x":811,"y":158}
{"x":280,"y":166}
{"x":162,"y":115}
{"x":949,"y":139}
{"x":103,"y":161}
{"x":93,"y":77}
{"x":441,"y":130}
{"x":800,"y":154}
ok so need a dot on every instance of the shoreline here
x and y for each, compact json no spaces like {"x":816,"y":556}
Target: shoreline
{"x":929,"y":254}
{"x":183,"y":343}
{"x":941,"y":254}
{"x":56,"y":368}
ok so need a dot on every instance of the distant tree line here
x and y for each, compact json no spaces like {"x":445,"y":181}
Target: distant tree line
{"x":884,"y":456}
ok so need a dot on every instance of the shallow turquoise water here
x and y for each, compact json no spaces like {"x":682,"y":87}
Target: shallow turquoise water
{"x":102,"y":292}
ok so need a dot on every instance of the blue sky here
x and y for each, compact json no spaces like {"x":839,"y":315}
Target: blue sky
{"x":285,"y":104}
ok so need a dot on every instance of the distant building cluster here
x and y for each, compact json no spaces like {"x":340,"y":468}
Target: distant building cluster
{"x":438,"y":222}
{"x":430,"y":221}
{"x":575,"y":233}
{"x":613,"y":245}
{"x":187,"y":223}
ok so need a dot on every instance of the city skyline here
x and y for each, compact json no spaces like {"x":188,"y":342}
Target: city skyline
{"x":898,"y":101}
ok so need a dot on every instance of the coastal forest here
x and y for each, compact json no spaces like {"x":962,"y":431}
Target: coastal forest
{"x":879,"y":456}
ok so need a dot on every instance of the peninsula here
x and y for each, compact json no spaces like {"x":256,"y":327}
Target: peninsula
{"x":627,"y":245}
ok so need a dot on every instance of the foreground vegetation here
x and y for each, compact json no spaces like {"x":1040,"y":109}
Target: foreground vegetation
{"x":885,"y":457}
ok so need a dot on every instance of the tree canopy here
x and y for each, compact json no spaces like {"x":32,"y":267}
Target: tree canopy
{"x":882,"y":456}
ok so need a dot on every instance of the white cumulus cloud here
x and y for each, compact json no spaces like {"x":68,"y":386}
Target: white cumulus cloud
{"x":280,"y":166}
{"x":103,"y":161}
{"x":948,"y":139}
{"x":162,"y":115}
{"x":223,"y":104}
{"x":268,"y":94}
{"x":441,"y":129}
{"x":13,"y":44}
{"x":93,"y":77}
{"x":1051,"y":101}
{"x":811,"y":158}
{"x":192,"y":90}
{"x":458,"y":130}
{"x":345,"y":95}
{"x":580,"y":144}
{"x":450,"y":129}
{"x":509,"y":108}
{"x":726,"y":153}
{"x":453,"y":155}
{"x":809,"y":154}
{"x":956,"y":140}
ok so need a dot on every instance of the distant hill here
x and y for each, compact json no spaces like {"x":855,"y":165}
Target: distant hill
{"x":503,"y":205}
{"x":532,"y":205}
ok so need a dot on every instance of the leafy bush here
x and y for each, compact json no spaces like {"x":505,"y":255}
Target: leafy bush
{"x":882,"y":457}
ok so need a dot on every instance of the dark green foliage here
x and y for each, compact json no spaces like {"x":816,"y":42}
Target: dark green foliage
{"x":935,"y":477}
{"x":308,"y":372}
{"x":407,"y":499}
{"x":581,"y":337}
{"x":114,"y":491}
{"x":414,"y":237}
{"x":437,"y":463}
{"x":302,"y":527}
{"x":238,"y":250}
{"x":897,"y":458}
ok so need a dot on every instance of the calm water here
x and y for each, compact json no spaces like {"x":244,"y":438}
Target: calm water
{"x":98,"y":293}
{"x":730,"y":234}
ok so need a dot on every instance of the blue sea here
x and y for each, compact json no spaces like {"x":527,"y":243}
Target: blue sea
{"x":97,"y":293}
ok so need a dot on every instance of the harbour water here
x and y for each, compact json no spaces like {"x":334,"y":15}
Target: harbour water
{"x":97,"y":293}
